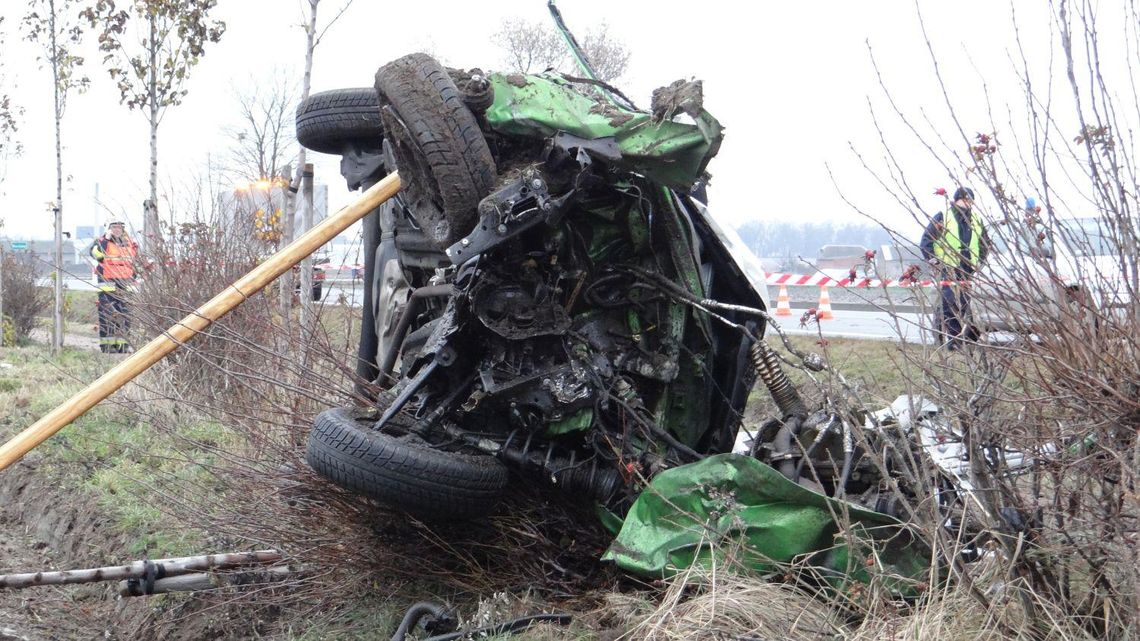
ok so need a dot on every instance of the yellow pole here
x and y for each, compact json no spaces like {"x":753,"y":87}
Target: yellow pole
{"x":196,"y":322}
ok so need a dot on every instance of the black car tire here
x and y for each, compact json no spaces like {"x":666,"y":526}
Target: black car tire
{"x":330,"y":121}
{"x":439,"y":149}
{"x":403,"y":471}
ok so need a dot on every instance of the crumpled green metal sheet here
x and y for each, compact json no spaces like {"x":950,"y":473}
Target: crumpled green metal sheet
{"x":540,"y":106}
{"x":737,"y":513}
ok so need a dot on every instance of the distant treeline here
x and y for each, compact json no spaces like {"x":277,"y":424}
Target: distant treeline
{"x":782,"y":239}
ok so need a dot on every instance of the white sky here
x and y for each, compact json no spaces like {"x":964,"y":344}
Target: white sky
{"x":789,"y":80}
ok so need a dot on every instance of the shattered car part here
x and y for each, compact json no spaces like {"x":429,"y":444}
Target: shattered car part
{"x":733,"y":511}
{"x":945,"y":446}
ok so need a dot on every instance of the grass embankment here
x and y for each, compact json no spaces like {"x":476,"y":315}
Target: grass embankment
{"x":115,"y":454}
{"x":133,"y":457}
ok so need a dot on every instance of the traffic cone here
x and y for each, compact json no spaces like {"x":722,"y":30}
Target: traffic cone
{"x":783,"y":304}
{"x":823,"y":311}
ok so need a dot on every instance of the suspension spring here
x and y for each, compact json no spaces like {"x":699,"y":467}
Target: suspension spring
{"x":768,"y":368}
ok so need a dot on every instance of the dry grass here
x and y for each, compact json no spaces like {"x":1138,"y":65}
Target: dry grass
{"x":700,"y":605}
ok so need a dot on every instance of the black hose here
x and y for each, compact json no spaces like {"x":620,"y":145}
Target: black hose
{"x":413,"y":616}
{"x":814,"y":444}
{"x":783,"y":445}
{"x":508,"y":627}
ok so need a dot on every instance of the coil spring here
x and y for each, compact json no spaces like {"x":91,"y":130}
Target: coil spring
{"x":768,"y":368}
{"x":564,"y":472}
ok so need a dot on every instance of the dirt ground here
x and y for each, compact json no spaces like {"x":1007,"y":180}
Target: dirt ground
{"x":37,"y":527}
{"x":78,"y":341}
{"x":17,"y":620}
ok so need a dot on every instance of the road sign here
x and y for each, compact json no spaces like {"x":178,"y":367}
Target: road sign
{"x":19,"y":244}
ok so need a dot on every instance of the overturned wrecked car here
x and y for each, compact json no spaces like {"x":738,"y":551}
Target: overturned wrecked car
{"x":536,"y":293}
{"x":549,"y":300}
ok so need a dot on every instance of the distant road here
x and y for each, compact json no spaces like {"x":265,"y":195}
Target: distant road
{"x":856,"y":324}
{"x":859,"y":313}
{"x":852,"y":319}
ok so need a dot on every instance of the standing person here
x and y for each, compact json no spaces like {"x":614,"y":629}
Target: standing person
{"x":115,"y":253}
{"x":955,"y":243}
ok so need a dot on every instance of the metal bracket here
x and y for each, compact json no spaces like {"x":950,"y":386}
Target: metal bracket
{"x":513,"y":209}
{"x":359,"y":164}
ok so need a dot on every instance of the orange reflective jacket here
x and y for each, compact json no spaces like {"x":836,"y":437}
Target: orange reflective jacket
{"x":116,"y":259}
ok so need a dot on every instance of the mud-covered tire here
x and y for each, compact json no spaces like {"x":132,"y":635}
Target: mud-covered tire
{"x":403,"y":471}
{"x":330,"y":121}
{"x":444,"y":161}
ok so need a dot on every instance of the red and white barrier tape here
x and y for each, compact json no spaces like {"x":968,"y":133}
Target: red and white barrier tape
{"x":818,"y":280}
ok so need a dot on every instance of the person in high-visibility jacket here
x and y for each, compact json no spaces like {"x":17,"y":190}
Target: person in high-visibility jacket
{"x":955,"y":243}
{"x":115,"y":254}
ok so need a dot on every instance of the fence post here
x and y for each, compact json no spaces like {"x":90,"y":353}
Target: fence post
{"x":288,"y":233}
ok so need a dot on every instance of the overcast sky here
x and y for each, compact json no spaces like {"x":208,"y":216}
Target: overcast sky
{"x":790,"y":81}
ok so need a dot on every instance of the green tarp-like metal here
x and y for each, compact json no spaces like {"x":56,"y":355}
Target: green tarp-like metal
{"x":540,"y":106}
{"x":740,"y":514}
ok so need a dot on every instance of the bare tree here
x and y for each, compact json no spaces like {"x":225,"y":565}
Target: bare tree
{"x":313,"y":36}
{"x":47,"y":23}
{"x":608,"y":56}
{"x":1062,"y":275}
{"x":263,"y":141}
{"x":533,"y":47}
{"x":530,"y":47}
{"x":171,"y":36}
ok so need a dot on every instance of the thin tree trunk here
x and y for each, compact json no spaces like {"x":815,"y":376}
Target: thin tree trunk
{"x":57,"y":312}
{"x":1,"y":295}
{"x":306,"y":83}
{"x":150,"y":221}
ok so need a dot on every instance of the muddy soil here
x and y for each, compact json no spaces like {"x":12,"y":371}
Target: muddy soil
{"x":44,"y":528}
{"x":46,"y":524}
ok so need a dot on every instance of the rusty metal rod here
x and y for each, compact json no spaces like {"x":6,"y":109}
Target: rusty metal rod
{"x":170,"y":567}
{"x":196,"y":322}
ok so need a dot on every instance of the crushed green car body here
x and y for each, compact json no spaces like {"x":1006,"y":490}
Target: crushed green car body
{"x":542,"y":106}
{"x":735,"y":513}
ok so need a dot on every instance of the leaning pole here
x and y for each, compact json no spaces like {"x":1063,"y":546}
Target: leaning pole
{"x":197,"y":321}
